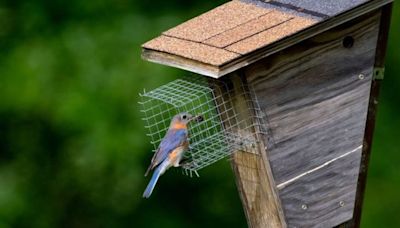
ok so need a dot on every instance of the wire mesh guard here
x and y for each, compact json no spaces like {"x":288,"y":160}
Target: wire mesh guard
{"x":231,"y":117}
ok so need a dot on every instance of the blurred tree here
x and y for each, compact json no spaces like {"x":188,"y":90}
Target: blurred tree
{"x":72,"y":144}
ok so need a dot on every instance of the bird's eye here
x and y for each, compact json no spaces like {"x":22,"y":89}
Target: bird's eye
{"x":184,"y":117}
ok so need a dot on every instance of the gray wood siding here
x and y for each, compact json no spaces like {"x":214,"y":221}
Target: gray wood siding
{"x":324,"y":198}
{"x":315,"y":96}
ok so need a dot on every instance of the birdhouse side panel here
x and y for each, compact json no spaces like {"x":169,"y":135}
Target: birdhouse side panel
{"x":315,"y":98}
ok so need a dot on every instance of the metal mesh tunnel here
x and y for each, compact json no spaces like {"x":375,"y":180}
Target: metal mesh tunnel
{"x":223,"y":130}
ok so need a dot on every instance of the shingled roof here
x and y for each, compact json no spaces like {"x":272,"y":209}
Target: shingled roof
{"x":240,"y":32}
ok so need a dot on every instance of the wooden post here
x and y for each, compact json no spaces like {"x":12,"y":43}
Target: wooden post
{"x":254,"y":178}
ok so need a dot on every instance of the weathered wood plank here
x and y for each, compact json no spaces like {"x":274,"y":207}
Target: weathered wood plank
{"x":180,"y":62}
{"x":307,"y":200}
{"x":255,"y":191}
{"x":314,"y":98}
{"x":254,"y":179}
{"x":386,"y":13}
{"x":315,"y":95}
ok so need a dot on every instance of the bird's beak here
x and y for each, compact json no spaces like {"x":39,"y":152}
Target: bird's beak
{"x":192,"y":118}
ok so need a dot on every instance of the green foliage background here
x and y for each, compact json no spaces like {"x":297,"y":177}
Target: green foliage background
{"x":72,"y":146}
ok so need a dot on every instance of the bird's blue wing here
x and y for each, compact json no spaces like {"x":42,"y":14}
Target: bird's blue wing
{"x":173,"y":139}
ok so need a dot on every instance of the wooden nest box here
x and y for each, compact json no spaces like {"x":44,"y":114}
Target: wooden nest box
{"x":315,"y":67}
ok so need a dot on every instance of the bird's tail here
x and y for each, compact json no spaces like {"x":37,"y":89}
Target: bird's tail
{"x":152,"y":183}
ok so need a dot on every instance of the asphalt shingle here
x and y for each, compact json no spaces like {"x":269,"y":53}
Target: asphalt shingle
{"x":239,"y":27}
{"x":213,"y":22}
{"x":248,"y":29}
{"x":191,"y":50}
{"x":270,"y":35}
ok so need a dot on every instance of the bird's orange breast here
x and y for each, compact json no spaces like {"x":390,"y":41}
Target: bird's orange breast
{"x":179,"y":126}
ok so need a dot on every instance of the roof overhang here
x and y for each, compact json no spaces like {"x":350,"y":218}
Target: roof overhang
{"x":239,"y":33}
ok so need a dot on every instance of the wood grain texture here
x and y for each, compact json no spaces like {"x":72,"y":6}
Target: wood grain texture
{"x":255,"y":191}
{"x":254,"y":179}
{"x":180,"y":62}
{"x":320,"y":199}
{"x":315,"y":95}
{"x":386,"y":13}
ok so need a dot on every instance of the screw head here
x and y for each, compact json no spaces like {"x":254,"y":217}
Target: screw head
{"x":361,"y":76}
{"x":341,"y":203}
{"x":304,"y":207}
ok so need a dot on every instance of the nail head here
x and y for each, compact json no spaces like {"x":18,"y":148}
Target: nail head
{"x":341,"y":203}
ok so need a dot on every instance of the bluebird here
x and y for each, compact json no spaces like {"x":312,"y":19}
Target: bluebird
{"x":171,"y":149}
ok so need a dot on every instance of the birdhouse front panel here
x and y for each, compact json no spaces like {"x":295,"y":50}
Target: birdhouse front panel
{"x":316,"y":95}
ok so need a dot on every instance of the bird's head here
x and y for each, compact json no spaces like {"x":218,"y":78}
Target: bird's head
{"x":181,"y":120}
